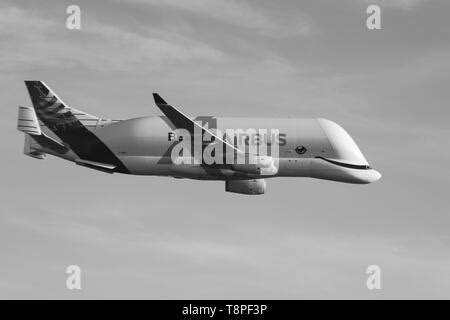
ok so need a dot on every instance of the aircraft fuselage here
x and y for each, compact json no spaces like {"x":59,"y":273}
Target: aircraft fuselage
{"x":316,"y":148}
{"x":241,"y":151}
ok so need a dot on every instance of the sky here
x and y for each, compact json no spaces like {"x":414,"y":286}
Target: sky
{"x":161,"y":238}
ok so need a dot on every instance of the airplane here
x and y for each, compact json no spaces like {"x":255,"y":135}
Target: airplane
{"x":242,"y":152}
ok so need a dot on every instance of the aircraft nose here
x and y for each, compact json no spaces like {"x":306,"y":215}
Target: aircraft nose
{"x":343,"y":145}
{"x":373,"y":175}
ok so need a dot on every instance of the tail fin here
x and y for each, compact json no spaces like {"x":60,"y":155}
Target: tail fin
{"x":53,"y":112}
{"x":71,"y":126}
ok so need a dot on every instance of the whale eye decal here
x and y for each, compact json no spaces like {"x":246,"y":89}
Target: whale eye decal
{"x":300,"y":149}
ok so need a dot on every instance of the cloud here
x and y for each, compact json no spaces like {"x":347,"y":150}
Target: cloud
{"x":400,"y":4}
{"x":96,"y":46}
{"x":110,"y":230}
{"x":241,"y":14}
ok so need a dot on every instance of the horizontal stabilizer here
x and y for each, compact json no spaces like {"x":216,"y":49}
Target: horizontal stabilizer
{"x":51,"y":144}
{"x":28,"y":123}
{"x":109,"y":168}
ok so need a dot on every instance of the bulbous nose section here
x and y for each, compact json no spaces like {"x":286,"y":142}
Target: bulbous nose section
{"x":344,"y":147}
{"x":353,"y":167}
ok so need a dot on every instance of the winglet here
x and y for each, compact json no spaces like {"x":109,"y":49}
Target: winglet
{"x":158,"y":99}
{"x":181,"y":121}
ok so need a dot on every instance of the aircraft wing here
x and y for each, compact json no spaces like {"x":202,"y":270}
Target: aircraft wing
{"x":260,"y":165}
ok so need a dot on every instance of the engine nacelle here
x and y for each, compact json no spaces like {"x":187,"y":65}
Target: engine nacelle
{"x":255,"y":186}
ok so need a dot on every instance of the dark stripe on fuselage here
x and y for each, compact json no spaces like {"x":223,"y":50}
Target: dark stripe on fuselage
{"x":88,"y":146}
{"x":85,"y":144}
{"x":346,"y":165}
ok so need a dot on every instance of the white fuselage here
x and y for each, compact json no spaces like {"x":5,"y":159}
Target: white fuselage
{"x":142,"y":144}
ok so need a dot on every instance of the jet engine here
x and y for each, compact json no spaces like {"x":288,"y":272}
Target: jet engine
{"x":255,"y":186}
